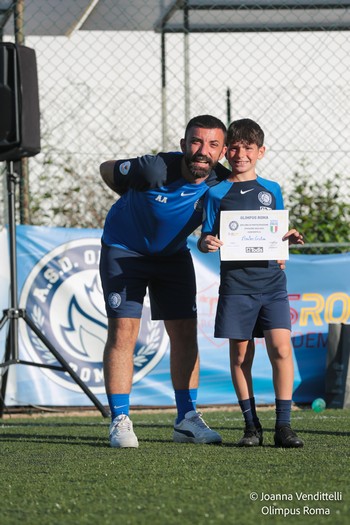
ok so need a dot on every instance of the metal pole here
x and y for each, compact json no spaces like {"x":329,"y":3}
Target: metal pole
{"x":23,"y":163}
{"x":164,"y":100}
{"x":186,"y":63}
{"x":11,"y":188}
{"x":228,"y":106}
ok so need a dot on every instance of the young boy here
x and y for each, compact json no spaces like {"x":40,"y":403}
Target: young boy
{"x":252,"y":294}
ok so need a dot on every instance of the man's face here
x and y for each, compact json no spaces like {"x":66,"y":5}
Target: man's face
{"x":202,"y":149}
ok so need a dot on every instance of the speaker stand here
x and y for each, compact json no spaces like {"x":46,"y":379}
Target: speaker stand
{"x":13,"y":314}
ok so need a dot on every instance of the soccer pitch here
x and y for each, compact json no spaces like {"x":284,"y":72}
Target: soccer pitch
{"x":61,"y":470}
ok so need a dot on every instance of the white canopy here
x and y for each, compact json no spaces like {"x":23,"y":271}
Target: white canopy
{"x":53,"y":17}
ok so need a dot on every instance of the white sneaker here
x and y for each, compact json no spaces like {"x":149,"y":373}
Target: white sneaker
{"x":121,"y":434}
{"x":193,"y":429}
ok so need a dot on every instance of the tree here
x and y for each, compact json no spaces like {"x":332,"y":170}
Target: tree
{"x":66,"y":189}
{"x":318,"y":210}
{"x":68,"y":193}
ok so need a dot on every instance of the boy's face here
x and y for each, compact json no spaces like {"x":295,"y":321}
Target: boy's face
{"x":243,"y":157}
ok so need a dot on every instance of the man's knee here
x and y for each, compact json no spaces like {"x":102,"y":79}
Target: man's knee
{"x":122,"y":331}
{"x":181,"y":329}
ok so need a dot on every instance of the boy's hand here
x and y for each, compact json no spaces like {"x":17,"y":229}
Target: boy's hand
{"x":209,"y":243}
{"x":282,"y":264}
{"x":293,"y":236}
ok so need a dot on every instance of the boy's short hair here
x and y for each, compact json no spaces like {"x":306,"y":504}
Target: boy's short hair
{"x":245,"y":130}
{"x":207,"y":122}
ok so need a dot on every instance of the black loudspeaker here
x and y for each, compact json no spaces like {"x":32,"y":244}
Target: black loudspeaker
{"x":19,"y":103}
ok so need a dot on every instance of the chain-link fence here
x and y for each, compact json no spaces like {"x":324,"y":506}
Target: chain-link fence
{"x":119,"y":79}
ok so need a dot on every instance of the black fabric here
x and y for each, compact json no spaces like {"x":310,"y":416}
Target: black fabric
{"x":19,"y":103}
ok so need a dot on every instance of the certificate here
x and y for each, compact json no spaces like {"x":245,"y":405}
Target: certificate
{"x":253,"y":235}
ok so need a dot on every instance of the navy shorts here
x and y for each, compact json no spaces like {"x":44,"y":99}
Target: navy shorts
{"x":247,"y":316}
{"x":126,"y":275}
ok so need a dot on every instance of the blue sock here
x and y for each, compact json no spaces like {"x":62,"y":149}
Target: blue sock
{"x":185,"y":401}
{"x":283,"y":412}
{"x":119,"y":404}
{"x":247,"y":412}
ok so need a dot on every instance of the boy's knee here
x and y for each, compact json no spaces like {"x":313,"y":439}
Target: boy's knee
{"x":242,"y":361}
{"x":282,"y":353}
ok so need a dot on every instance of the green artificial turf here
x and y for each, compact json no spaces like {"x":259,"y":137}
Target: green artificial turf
{"x":61,"y":470}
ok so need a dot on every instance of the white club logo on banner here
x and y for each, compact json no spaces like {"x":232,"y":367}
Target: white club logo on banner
{"x":63,"y":296}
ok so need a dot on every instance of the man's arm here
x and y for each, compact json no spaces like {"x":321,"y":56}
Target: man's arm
{"x":107,"y":174}
{"x":121,"y":175}
{"x":141,"y":173}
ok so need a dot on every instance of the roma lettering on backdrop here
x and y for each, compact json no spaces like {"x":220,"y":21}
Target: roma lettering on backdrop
{"x":60,"y":288}
{"x":319,"y":295}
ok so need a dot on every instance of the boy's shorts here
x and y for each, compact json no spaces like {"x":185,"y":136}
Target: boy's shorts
{"x":125,"y":276}
{"x":245,"y":316}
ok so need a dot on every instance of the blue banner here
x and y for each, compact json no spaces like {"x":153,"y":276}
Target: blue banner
{"x":60,"y":289}
{"x":4,"y":285}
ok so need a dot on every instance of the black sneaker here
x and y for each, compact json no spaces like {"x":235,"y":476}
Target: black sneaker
{"x":252,"y":437}
{"x":285,"y":437}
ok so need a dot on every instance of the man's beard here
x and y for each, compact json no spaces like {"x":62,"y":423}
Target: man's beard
{"x":198,"y":172}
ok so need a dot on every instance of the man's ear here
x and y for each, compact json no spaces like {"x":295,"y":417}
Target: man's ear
{"x":261,"y":152}
{"x":183,"y":145}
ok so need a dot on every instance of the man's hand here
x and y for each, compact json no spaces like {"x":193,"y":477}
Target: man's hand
{"x":293,"y":236}
{"x":209,"y":244}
